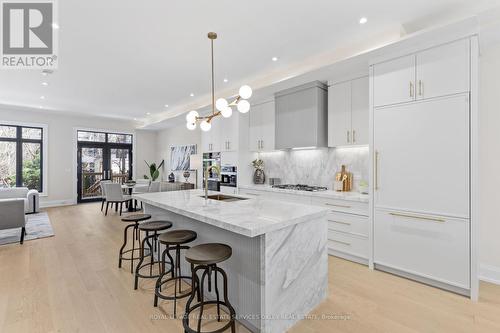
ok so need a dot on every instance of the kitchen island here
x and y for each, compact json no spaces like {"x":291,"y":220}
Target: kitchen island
{"x":279,"y":268}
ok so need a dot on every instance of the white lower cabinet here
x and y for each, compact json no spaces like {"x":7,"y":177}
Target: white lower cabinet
{"x":348,"y":228}
{"x":348,"y":246}
{"x":348,"y":222}
{"x":432,"y":247}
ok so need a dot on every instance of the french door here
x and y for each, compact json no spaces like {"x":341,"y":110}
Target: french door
{"x":101,"y":161}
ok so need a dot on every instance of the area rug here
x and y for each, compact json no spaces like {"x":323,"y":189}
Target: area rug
{"x":37,"y":226}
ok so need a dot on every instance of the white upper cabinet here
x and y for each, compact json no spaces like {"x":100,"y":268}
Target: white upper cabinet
{"x":439,"y":71}
{"x":360,"y":106}
{"x":228,"y":132}
{"x":443,"y":70}
{"x":211,"y":140}
{"x":339,"y":114}
{"x":394,"y":81}
{"x":261,"y":131}
{"x":348,"y":113}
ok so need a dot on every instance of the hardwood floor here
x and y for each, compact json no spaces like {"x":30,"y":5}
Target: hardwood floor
{"x":71,"y":283}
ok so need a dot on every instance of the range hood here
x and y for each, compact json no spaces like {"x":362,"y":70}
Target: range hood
{"x":301,"y":116}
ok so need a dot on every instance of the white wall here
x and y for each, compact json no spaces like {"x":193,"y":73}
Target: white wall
{"x":489,"y":159}
{"x":61,"y":188}
{"x":175,"y":136}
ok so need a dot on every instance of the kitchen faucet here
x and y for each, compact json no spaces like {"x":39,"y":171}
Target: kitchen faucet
{"x":207,"y":171}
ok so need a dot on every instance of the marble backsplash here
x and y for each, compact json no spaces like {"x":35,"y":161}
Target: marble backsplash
{"x":316,"y":166}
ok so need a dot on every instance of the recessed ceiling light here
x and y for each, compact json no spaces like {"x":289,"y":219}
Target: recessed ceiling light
{"x":166,"y":105}
{"x":41,"y":107}
{"x":148,"y":113}
{"x":274,"y":58}
{"x":135,"y":118}
{"x":45,"y":84}
{"x":363,"y":20}
{"x":226,"y":80}
{"x":55,"y":25}
{"x":42,"y":97}
{"x":191,"y":94}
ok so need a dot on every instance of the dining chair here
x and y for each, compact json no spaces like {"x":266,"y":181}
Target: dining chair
{"x":103,"y":192}
{"x":114,"y":194}
{"x":141,"y":186}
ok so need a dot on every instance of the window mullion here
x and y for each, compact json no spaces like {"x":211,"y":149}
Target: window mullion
{"x":19,"y":157}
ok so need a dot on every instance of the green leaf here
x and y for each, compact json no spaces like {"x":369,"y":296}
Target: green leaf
{"x":155,"y":175}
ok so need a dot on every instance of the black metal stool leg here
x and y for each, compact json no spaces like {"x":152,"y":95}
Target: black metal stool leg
{"x":138,"y":267}
{"x":125,"y":233}
{"x":134,"y":237}
{"x":202,"y":303}
{"x":217,"y":294}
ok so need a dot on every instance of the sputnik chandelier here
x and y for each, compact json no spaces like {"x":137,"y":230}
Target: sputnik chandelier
{"x":224,"y":108}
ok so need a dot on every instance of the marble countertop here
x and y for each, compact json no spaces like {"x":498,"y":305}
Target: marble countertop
{"x":349,"y":196}
{"x":252,"y":217}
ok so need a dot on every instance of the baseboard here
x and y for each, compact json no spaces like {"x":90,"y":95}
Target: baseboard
{"x":489,"y":273}
{"x":57,"y":203}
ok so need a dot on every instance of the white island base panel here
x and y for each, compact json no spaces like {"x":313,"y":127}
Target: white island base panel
{"x":275,"y":279}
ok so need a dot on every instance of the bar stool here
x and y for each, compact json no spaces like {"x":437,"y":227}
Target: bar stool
{"x":174,"y":240}
{"x":205,"y":257}
{"x":135,"y":219}
{"x":154,"y":227}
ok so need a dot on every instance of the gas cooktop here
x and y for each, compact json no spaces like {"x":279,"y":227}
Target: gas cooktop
{"x":300,"y":187}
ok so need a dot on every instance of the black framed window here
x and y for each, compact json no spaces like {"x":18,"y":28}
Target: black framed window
{"x":21,"y":156}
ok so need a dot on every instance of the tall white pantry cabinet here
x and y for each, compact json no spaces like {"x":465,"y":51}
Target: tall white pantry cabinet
{"x":422,"y":116}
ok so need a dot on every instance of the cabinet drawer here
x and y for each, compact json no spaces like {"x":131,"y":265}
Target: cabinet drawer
{"x":343,"y":206}
{"x":347,"y":243}
{"x":350,"y":223}
{"x":430,"y":246}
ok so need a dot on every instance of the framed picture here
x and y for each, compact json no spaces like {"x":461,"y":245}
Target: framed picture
{"x":180,"y":157}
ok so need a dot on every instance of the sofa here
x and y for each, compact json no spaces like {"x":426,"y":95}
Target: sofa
{"x":31,"y":197}
{"x":12,"y":215}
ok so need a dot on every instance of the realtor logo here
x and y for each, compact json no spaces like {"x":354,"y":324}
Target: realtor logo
{"x":28,"y":34}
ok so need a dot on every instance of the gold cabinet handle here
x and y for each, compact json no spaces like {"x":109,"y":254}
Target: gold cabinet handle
{"x":420,"y":85}
{"x":262,"y":144}
{"x":340,"y":242}
{"x":348,"y":137}
{"x":411,"y":89}
{"x":376,"y":170}
{"x":336,"y":205}
{"x":340,"y":222}
{"x":427,"y":218}
{"x":353,"y":136}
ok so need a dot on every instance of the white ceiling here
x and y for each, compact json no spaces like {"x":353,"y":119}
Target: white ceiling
{"x":123,"y":58}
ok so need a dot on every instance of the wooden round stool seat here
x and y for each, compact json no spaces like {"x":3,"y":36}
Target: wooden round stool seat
{"x":208,"y":254}
{"x":136,"y":218}
{"x":176,"y":237}
{"x":155,"y":225}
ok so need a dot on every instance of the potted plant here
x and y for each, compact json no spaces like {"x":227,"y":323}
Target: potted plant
{"x":259,"y":176}
{"x":154,"y":171}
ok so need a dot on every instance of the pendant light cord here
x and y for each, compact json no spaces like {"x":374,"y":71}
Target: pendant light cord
{"x":213,"y":84}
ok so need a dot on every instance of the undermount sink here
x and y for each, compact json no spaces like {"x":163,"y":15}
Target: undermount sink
{"x":222,"y":197}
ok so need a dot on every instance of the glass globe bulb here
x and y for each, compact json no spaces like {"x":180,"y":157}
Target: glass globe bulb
{"x":191,"y":116}
{"x":227,"y":112}
{"x":205,"y":126}
{"x":191,"y":126}
{"x":221,"y":104}
{"x":243,"y":106}
{"x":245,"y":92}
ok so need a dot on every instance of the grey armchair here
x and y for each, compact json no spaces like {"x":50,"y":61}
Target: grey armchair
{"x":12,"y":215}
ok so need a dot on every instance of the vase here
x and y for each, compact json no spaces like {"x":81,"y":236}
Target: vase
{"x":259,"y":177}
